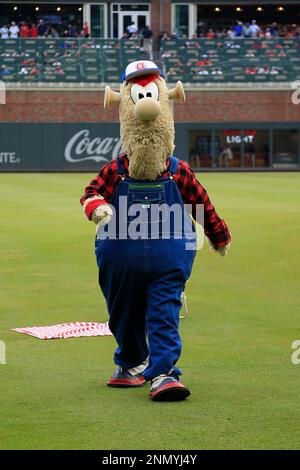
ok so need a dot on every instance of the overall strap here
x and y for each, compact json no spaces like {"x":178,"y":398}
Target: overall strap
{"x":121,"y":170}
{"x":173,"y":165}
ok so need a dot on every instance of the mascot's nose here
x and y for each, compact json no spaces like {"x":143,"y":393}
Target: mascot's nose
{"x":147,"y":109}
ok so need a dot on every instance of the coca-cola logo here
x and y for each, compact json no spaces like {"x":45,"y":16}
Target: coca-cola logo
{"x":81,"y":148}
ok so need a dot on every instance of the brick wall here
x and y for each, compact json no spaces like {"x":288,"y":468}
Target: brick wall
{"x":208,"y":106}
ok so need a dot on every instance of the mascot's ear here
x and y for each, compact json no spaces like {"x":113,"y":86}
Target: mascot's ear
{"x":177,"y":93}
{"x":111,"y":97}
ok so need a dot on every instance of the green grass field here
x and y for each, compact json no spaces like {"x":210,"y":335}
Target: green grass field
{"x":244,"y":315}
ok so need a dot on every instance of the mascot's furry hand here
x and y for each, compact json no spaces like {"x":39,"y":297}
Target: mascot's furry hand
{"x":102,"y":214}
{"x":222,"y":250}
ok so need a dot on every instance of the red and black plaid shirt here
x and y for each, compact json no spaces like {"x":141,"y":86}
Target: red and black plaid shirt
{"x":192,"y":192}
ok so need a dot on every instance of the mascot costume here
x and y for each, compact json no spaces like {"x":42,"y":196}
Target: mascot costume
{"x":143,"y":266}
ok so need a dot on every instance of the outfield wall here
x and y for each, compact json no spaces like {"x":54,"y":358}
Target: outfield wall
{"x":88,"y":146}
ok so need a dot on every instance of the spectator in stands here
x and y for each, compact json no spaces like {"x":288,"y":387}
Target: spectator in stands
{"x":283,"y":32}
{"x":59,"y":71}
{"x":4,"y":32}
{"x":268,"y":33}
{"x":52,"y":32}
{"x":4,"y":70}
{"x":230,"y":33}
{"x":42,"y":28}
{"x":35,"y":71}
{"x":210,"y":34}
{"x":263,"y":70}
{"x":294,"y":31}
{"x":86,"y":33}
{"x":281,"y":53}
{"x":33,"y":31}
{"x":251,"y":71}
{"x":247,"y":30}
{"x":24,"y":30}
{"x":134,"y":36}
{"x":171,"y":71}
{"x":73,"y":33}
{"x":233,"y":45}
{"x":147,"y":41}
{"x":132,"y":29}
{"x":165,"y":36}
{"x":217,"y":72}
{"x":274,"y":71}
{"x":23,"y":71}
{"x":274,"y":30}
{"x":203,"y":62}
{"x":13,"y":30}
{"x":238,"y":29}
{"x":254,"y":29}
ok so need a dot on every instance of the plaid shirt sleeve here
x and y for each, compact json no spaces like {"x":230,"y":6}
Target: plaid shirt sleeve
{"x":103,"y":185}
{"x":192,"y":192}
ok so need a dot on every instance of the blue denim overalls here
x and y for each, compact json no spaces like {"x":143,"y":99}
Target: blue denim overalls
{"x":142,"y":279}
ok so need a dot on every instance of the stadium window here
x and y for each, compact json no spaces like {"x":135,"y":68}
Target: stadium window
{"x":201,"y":149}
{"x":285,"y":148}
{"x":181,"y":19}
{"x":126,"y":14}
{"x":256,"y":148}
{"x":97,"y":16}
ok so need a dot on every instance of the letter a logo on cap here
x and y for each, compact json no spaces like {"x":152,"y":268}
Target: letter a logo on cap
{"x":140,"y":67}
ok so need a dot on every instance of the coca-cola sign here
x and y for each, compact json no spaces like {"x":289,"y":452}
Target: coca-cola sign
{"x":65,"y":146}
{"x":82,"y":147}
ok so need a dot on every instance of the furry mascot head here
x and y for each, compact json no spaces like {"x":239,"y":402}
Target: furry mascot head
{"x":146,"y":118}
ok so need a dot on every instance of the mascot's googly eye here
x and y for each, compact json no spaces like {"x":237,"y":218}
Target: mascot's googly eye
{"x":139,"y":92}
{"x":151,"y":90}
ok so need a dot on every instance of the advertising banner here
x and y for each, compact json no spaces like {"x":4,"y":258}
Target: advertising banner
{"x":60,"y":147}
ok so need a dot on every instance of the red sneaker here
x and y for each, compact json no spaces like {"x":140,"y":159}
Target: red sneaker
{"x":124,"y":378}
{"x":168,"y":388}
